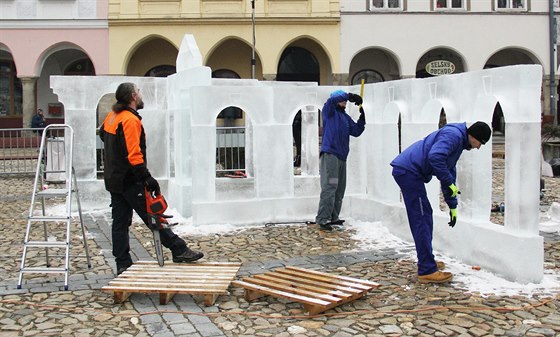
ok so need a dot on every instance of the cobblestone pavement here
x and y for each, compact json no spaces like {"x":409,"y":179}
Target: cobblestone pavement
{"x":399,"y":307}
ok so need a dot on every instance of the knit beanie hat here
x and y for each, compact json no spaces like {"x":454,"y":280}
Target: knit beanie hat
{"x":338,"y":94}
{"x":480,"y":131}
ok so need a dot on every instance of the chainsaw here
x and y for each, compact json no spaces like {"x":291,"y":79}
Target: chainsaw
{"x":155,"y":206}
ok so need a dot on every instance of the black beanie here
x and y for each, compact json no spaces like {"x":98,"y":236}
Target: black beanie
{"x":481,"y":131}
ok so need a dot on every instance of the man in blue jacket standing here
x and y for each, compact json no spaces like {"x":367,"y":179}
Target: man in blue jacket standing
{"x":338,"y":126}
{"x":435,"y":155}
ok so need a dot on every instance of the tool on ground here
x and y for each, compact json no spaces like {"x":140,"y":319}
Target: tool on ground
{"x":237,"y":174}
{"x":155,"y":206}
{"x":270,"y":224}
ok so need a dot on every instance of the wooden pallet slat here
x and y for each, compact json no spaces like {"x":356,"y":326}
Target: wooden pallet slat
{"x":315,"y":283}
{"x":317,"y":291}
{"x":341,"y":277}
{"x":295,"y":283}
{"x":209,"y":279}
{"x":279,"y":293}
{"x":325,"y":277}
{"x":294,"y":290}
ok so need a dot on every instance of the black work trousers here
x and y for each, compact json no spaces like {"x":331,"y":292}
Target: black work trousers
{"x":122,"y":204}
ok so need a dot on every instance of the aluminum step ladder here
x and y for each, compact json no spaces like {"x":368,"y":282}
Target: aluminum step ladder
{"x":54,"y":167}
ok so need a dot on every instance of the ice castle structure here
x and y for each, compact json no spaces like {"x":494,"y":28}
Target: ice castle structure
{"x":180,"y":122}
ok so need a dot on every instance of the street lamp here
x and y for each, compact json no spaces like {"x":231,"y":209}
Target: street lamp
{"x":253,"y":60}
{"x":552,"y":47}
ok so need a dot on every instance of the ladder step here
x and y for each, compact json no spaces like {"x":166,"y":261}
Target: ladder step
{"x":59,"y":184}
{"x":49,"y":218}
{"x":53,"y":192}
{"x":52,"y":244}
{"x":42,"y":270}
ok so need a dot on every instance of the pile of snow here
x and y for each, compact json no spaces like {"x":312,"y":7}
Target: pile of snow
{"x":550,"y":221}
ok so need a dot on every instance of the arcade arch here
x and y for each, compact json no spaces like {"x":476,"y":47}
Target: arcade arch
{"x":300,"y":54}
{"x":440,"y":61}
{"x":374,"y":65}
{"x":234,"y":55}
{"x":61,"y":60}
{"x":151,"y":54}
{"x":300,"y":65}
{"x":511,"y":56}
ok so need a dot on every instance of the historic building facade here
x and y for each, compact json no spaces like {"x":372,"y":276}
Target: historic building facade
{"x":329,"y":42}
{"x":396,"y":39}
{"x":145,"y":37}
{"x":42,"y":38}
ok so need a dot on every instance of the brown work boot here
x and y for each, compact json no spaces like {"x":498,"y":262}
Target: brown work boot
{"x":440,"y":265}
{"x":437,"y":277}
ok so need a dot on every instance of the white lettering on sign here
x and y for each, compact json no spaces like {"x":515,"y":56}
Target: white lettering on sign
{"x":440,"y":67}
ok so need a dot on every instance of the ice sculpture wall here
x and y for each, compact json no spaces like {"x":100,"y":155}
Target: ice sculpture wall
{"x":180,"y":121}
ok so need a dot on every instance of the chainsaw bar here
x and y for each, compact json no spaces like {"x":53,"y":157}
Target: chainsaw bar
{"x":157,"y":246}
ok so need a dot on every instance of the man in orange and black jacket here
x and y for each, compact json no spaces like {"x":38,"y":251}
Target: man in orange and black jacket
{"x":126,"y":176}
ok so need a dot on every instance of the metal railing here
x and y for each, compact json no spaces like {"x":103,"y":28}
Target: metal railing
{"x":230,"y":150}
{"x":19,"y":150}
{"x":99,"y":155}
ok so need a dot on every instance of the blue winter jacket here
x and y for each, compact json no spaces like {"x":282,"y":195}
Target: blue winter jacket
{"x":338,"y":126}
{"x":436,"y":155}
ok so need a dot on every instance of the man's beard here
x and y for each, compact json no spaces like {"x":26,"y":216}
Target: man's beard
{"x":140,"y":105}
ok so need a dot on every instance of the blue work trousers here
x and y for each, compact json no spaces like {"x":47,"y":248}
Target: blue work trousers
{"x":420,"y":220}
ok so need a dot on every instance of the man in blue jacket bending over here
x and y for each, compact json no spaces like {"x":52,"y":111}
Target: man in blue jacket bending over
{"x":435,"y":155}
{"x":338,"y":126}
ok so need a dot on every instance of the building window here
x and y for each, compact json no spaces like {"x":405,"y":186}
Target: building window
{"x":225,"y":73}
{"x":82,"y":67}
{"x":161,"y":71}
{"x":449,"y":4}
{"x":510,"y":4}
{"x":10,"y":90}
{"x":368,"y":75}
{"x":385,"y":4}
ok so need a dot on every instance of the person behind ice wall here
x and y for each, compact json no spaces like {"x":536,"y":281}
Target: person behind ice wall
{"x":296,"y":133}
{"x":435,"y":155}
{"x":338,"y":126}
{"x":126,"y":176}
{"x":38,"y":121}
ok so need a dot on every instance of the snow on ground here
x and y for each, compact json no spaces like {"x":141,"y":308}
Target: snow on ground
{"x":374,"y":236}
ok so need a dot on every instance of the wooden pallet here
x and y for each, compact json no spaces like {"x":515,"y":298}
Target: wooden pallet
{"x":209,"y":279}
{"x":316,"y":290}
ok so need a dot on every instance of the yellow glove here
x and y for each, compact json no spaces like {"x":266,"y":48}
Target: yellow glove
{"x":453,"y":217}
{"x":454,"y":190}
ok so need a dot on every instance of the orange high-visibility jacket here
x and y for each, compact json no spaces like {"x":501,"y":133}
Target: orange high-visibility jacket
{"x":125,"y":150}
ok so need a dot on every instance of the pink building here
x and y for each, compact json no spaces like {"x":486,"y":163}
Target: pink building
{"x":43,"y":38}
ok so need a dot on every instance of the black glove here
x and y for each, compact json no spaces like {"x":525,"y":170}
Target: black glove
{"x":362,"y":115}
{"x":356,"y":99}
{"x":152,"y":184}
{"x":452,"y":217}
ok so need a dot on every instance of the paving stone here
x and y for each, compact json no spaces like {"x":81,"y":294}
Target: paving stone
{"x":182,"y":328}
{"x":209,"y":330}
{"x":260,"y":249}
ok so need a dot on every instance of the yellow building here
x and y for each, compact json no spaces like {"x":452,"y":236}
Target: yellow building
{"x":296,"y":40}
